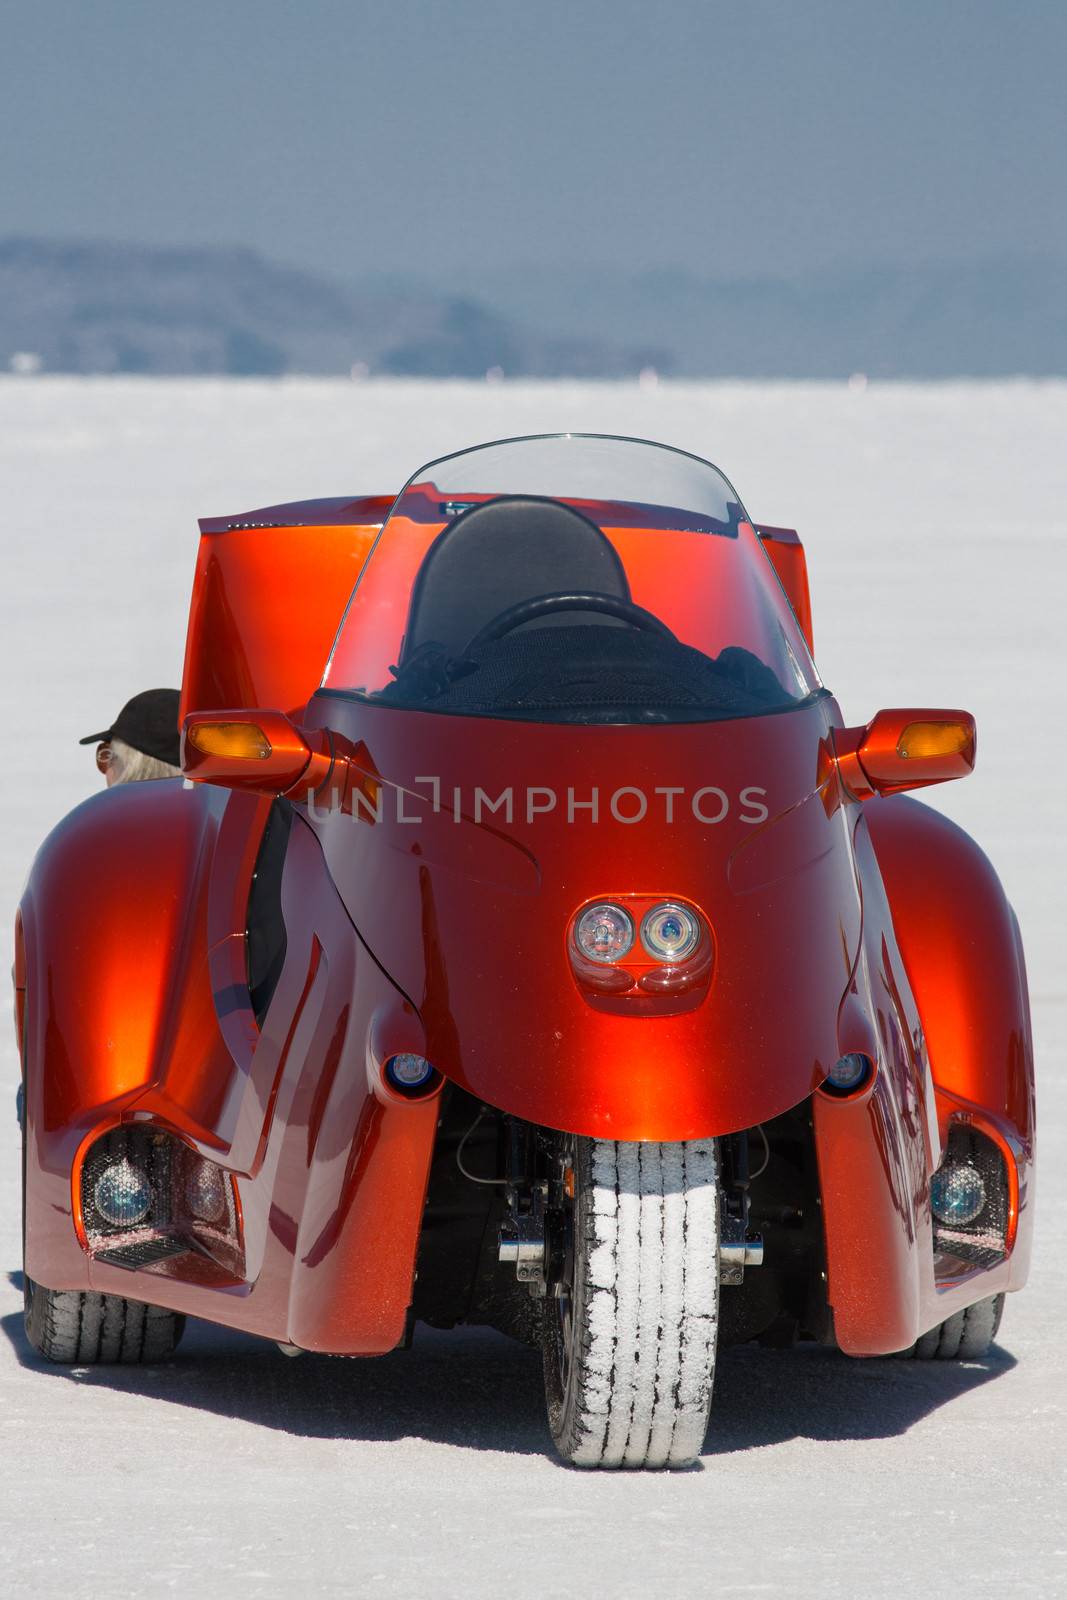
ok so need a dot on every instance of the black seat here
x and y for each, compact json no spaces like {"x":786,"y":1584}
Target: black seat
{"x":495,"y":555}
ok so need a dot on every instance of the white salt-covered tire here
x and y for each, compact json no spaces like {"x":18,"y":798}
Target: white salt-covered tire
{"x":629,"y":1346}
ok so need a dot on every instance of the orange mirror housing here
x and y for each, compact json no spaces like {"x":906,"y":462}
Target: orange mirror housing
{"x":905,"y":749}
{"x":262,"y":751}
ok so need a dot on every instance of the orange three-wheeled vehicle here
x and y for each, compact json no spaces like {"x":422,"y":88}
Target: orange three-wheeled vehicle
{"x":538,"y":948}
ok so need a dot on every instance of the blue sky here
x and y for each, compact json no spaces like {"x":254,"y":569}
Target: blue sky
{"x":446,"y":139}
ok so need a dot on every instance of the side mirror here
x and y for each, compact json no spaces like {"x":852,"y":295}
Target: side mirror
{"x":900,"y":750}
{"x":261,"y":751}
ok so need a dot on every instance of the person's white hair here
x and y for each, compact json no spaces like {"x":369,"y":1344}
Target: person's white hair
{"x":128,"y":765}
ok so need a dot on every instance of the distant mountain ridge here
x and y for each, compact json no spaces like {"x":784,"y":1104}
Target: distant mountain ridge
{"x":980,"y":319}
{"x":103,"y":307}
{"x":107,"y":307}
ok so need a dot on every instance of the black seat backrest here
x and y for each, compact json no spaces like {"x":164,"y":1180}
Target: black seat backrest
{"x":502,"y":552}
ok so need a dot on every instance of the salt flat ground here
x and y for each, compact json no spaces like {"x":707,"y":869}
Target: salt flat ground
{"x":935,"y":520}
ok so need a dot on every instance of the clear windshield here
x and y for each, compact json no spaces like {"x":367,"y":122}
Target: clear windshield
{"x":571,"y":578}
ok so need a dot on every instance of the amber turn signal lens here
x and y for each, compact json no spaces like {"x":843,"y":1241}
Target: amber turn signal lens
{"x":926,"y":739}
{"x":242,"y":741}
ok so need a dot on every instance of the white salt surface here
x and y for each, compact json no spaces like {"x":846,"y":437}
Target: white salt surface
{"x":935,"y":520}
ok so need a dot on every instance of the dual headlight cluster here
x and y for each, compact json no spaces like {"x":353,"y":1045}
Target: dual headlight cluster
{"x":147,"y":1195}
{"x":641,"y":947}
{"x":670,"y":933}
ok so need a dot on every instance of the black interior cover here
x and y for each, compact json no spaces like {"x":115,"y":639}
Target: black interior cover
{"x":266,"y":939}
{"x":586,"y":674}
{"x":495,"y":555}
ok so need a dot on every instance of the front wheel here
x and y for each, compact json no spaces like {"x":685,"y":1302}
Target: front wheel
{"x":965,"y":1336}
{"x":630,"y":1331}
{"x":81,"y":1328}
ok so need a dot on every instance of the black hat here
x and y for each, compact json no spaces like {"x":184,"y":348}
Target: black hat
{"x":149,"y":723}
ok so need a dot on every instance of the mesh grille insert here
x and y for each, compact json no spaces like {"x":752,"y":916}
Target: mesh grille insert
{"x":983,"y":1241}
{"x":192,"y":1207}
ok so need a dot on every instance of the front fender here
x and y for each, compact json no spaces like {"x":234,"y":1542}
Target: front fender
{"x":962,"y":950}
{"x":932,"y":896}
{"x":121,"y":929}
{"x":961,"y":946}
{"x":131,"y":959}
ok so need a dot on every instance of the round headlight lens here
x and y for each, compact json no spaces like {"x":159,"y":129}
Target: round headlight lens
{"x":407,"y":1072}
{"x":205,"y":1192}
{"x":604,"y":933}
{"x":122,"y":1194}
{"x":848,"y":1072}
{"x":670,"y":933}
{"x":957,"y":1194}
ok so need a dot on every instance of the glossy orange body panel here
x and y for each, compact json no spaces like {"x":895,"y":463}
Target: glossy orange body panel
{"x":961,"y":946}
{"x":419,"y":918}
{"x":950,"y":996}
{"x":267,"y":598}
{"x":786,"y":554}
{"x":478,"y":911}
{"x":139,"y":1009}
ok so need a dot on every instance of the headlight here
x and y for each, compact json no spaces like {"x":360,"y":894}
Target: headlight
{"x":849,"y":1072}
{"x":670,"y":933}
{"x":205,"y":1191}
{"x":604,"y":933}
{"x":122,"y":1194}
{"x":411,"y":1076}
{"x":957,"y":1194}
{"x":147,"y":1196}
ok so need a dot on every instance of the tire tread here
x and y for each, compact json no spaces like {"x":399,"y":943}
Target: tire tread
{"x":647,"y":1310}
{"x":965,"y":1336}
{"x":84,"y":1328}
